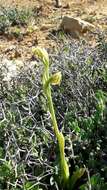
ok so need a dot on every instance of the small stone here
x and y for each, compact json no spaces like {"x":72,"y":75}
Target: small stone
{"x":45,"y":27}
{"x":58,"y":3}
{"x":75,"y":26}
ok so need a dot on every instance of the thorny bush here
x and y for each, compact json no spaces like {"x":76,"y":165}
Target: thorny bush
{"x":28,"y":147}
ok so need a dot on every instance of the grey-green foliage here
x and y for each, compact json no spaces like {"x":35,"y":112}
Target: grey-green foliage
{"x":18,"y":17}
{"x":13,"y":16}
{"x":26,"y":141}
{"x":4,"y":23}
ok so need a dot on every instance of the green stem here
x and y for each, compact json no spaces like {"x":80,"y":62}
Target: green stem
{"x":59,"y":136}
{"x":47,"y":90}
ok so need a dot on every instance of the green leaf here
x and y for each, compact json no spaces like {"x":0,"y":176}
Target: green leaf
{"x":76,"y":176}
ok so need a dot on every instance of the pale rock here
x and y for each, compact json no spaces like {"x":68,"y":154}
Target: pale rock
{"x":19,"y":64}
{"x":75,"y":26}
{"x":10,"y":68}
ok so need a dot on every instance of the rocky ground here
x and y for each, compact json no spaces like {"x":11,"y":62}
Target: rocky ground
{"x":29,"y":154}
{"x":48,"y":19}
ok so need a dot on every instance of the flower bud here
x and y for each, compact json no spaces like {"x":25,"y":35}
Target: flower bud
{"x":56,"y":78}
{"x":42,"y":54}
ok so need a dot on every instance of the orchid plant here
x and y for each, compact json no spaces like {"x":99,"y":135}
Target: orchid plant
{"x":48,"y":80}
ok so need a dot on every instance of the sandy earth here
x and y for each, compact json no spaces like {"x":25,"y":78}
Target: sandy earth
{"x":95,"y":11}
